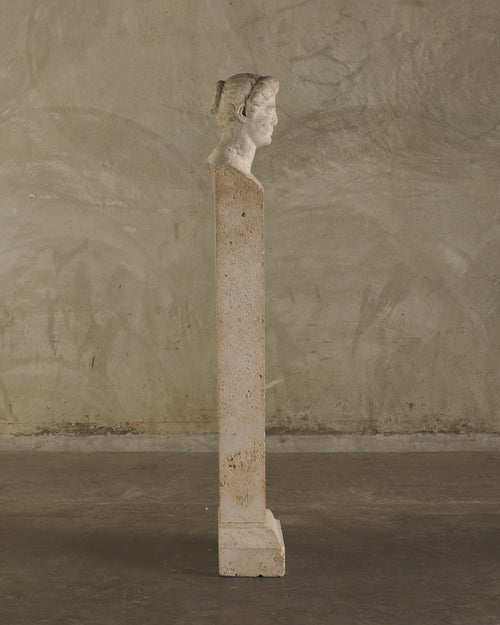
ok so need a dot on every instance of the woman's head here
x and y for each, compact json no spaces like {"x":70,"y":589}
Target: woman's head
{"x":244,"y":98}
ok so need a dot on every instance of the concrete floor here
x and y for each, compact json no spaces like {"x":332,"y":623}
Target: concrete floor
{"x":98,"y":539}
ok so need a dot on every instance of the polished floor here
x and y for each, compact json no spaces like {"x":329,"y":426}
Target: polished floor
{"x":125,"y":538}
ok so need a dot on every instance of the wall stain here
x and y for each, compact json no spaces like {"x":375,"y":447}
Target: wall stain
{"x":78,"y":428}
{"x":394,"y":292}
{"x":7,"y":401}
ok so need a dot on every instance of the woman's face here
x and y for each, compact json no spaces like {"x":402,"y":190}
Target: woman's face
{"x":260,"y":126}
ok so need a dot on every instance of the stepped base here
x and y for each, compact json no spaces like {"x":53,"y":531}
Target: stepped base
{"x":252,"y":549}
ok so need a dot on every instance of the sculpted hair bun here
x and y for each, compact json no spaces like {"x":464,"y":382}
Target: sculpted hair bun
{"x":242,"y":93}
{"x":218,"y":92}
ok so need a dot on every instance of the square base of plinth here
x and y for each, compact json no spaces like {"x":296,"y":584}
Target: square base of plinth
{"x":252,"y":549}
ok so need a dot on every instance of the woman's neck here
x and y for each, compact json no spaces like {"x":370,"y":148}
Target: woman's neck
{"x":234,"y":149}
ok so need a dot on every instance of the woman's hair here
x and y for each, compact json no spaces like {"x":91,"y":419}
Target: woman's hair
{"x":251,"y":90}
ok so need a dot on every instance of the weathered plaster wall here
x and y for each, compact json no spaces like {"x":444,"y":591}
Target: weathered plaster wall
{"x":382,"y":200}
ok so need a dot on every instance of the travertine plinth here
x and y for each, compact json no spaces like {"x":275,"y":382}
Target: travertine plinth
{"x":252,"y":549}
{"x":250,"y":538}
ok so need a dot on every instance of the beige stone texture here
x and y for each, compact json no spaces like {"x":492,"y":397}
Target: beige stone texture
{"x":252,"y":549}
{"x":250,"y":539}
{"x":241,"y":357}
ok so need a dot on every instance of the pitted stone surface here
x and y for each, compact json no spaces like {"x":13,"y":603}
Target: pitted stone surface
{"x":250,"y":538}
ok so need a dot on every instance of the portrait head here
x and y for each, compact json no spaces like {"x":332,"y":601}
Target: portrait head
{"x":247,"y":103}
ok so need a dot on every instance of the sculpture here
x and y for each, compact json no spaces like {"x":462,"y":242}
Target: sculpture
{"x":250,"y":538}
{"x":245,"y":107}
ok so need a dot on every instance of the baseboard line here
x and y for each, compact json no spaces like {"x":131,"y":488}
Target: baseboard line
{"x":275,"y":443}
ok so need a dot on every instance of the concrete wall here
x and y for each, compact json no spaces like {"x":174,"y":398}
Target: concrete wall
{"x":382,"y":196}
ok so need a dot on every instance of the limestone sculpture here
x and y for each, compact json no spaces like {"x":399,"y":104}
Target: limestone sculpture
{"x":250,"y":538}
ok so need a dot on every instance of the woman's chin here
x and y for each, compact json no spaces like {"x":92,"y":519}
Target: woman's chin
{"x":263,"y":140}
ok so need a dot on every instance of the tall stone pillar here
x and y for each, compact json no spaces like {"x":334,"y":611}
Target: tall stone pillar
{"x":250,"y":538}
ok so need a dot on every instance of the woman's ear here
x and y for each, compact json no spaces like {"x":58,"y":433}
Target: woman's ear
{"x":240,"y":113}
